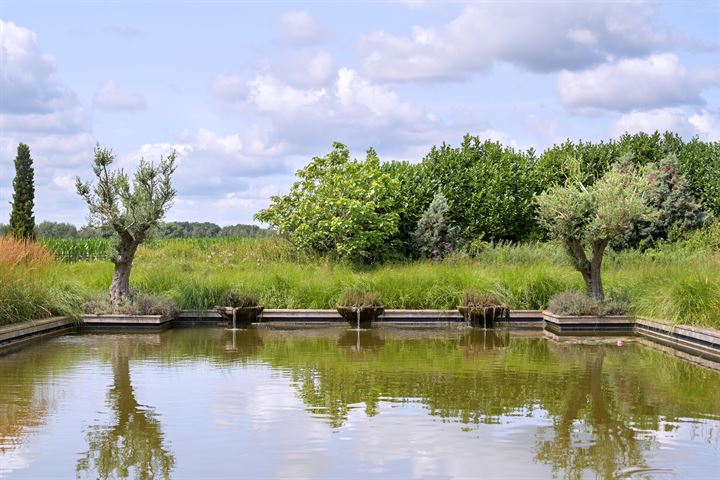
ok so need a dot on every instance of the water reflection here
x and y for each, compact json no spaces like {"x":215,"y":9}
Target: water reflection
{"x":599,"y":411}
{"x":133,"y":443}
{"x":591,"y":432}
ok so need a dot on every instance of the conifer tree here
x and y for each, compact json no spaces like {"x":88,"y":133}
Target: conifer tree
{"x":22,"y":220}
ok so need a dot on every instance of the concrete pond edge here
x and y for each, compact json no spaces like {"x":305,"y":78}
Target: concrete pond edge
{"x":695,"y":341}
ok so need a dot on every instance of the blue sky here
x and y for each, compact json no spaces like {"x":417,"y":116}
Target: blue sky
{"x":247,"y":93}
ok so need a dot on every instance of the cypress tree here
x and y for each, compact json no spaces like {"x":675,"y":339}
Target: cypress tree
{"x":22,"y":220}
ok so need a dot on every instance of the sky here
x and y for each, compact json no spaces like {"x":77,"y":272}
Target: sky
{"x":246,"y":93}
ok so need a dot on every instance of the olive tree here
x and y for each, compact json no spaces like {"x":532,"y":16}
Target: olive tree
{"x":587,"y":218}
{"x":130,"y":208}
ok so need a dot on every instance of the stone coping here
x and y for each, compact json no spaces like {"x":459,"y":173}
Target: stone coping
{"x":702,"y":342}
{"x":34,"y":327}
{"x":107,"y":319}
{"x":586,"y":320}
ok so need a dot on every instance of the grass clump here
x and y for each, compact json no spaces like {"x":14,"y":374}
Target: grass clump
{"x":236,"y":299}
{"x":577,"y":303}
{"x":33,"y":286}
{"x":473,"y":298}
{"x":355,"y":297}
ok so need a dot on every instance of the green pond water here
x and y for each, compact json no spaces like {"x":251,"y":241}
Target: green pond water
{"x":335,"y":403}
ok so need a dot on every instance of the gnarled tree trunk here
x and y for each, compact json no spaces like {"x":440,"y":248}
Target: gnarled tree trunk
{"x":120,"y":286}
{"x":591,"y":270}
{"x":596,"y":288}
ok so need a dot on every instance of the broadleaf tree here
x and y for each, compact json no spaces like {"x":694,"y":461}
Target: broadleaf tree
{"x":587,"y":218}
{"x":130,"y":207}
{"x":22,"y":219}
{"x":339,"y":206}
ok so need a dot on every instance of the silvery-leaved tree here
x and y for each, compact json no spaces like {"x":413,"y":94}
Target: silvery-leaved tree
{"x":130,"y":208}
{"x":587,"y":218}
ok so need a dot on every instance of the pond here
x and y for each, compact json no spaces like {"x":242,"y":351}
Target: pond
{"x":331,"y":402}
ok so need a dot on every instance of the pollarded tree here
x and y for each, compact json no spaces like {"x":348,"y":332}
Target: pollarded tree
{"x":22,"y":220}
{"x":587,"y":219}
{"x":129,"y":208}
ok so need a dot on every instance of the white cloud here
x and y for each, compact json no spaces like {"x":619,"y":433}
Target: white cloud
{"x":656,"y":81}
{"x":540,"y":37}
{"x":206,"y":158}
{"x":65,"y":182}
{"x":687,"y":124}
{"x":301,"y":26}
{"x":351,"y":109}
{"x":707,"y":125}
{"x":39,"y":110}
{"x":111,"y":97}
{"x":270,"y":96}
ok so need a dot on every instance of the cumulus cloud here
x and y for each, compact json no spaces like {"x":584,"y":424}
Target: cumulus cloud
{"x":208,"y":158}
{"x":300,"y":26}
{"x":540,"y":37}
{"x":350,"y":108}
{"x":655,"y":81}
{"x":112,"y":98}
{"x":39,"y":110}
{"x":687,"y":124}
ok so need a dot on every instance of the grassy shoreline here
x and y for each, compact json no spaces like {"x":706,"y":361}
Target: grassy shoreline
{"x":677,"y":284}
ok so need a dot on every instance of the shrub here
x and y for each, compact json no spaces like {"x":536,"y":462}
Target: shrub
{"x":359,"y":298}
{"x":141,"y":304}
{"x":235,"y":299}
{"x":576,"y":303}
{"x":677,"y":210}
{"x":435,"y":235}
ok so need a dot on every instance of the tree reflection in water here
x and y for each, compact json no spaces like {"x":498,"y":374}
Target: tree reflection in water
{"x":590,"y":433}
{"x":133,"y":444}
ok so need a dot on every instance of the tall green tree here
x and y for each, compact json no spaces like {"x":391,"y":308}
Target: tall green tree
{"x":587,"y":218}
{"x":339,"y":206}
{"x":131,"y":208}
{"x":22,"y":220}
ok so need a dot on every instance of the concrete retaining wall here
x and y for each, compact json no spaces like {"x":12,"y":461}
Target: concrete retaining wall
{"x":703,"y":343}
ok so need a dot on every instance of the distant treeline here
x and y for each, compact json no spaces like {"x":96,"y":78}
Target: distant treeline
{"x":164,"y":230}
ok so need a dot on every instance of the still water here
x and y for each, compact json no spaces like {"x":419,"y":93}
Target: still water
{"x":333,"y":403}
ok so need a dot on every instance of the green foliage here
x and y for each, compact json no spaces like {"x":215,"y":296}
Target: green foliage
{"x":599,"y":212}
{"x":339,"y":206}
{"x":22,"y":220}
{"x":129,"y":208}
{"x":435,"y":235}
{"x":208,"y":230}
{"x":700,"y":164}
{"x":490,"y":188}
{"x":56,"y":230}
{"x":3,"y":229}
{"x":589,"y":218}
{"x":355,"y":297}
{"x":576,"y":303}
{"x":410,"y":200}
{"x":669,"y":195}
{"x":76,"y":249}
{"x":236,"y":299}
